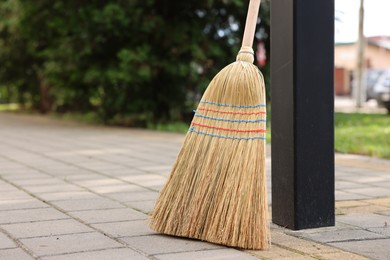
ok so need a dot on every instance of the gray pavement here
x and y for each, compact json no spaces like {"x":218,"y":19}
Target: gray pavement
{"x":72,"y":191}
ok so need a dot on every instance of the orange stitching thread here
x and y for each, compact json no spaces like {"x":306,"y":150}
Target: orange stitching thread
{"x":232,"y":130}
{"x":233,"y":113}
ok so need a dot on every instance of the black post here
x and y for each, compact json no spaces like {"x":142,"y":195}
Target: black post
{"x":302,"y":98}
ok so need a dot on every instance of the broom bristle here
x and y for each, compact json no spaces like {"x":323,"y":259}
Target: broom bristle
{"x":217,"y":188}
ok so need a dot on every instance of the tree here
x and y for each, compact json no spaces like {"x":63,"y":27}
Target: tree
{"x":144,"y":60}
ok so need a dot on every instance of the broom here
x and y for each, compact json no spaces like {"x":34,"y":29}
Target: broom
{"x":217,"y":189}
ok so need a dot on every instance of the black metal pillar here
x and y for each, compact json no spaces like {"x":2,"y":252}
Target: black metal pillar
{"x":302,"y":98}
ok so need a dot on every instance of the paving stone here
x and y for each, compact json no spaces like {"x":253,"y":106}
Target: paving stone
{"x":275,"y":252}
{"x":343,"y":235}
{"x":340,"y":255}
{"x":344,"y":184}
{"x":14,"y":195}
{"x":109,"y":254}
{"x":158,"y":169}
{"x":144,"y":206}
{"x":14,"y":253}
{"x":383,"y":184}
{"x":39,"y":182}
{"x":371,"y":179}
{"x":99,"y":166}
{"x":208,"y":254}
{"x":351,"y":203}
{"x":146,"y":179}
{"x":380,"y":201}
{"x":87,"y":204}
{"x":29,"y":215}
{"x":123,"y":187}
{"x":5,"y":187}
{"x":45,"y":228}
{"x":134,"y":196}
{"x":67,"y":195}
{"x":365,"y":221}
{"x":167,"y":244}
{"x":108,"y":215}
{"x":362,"y":209}
{"x":53,"y":188}
{"x":21,"y":204}
{"x":65,"y":244}
{"x":99,"y":181}
{"x":126,"y":228}
{"x":374,"y":249}
{"x":385,"y":213}
{"x":343,"y":195}
{"x":6,"y":242}
{"x":306,"y":247}
{"x":385,"y":230}
{"x":371,"y":191}
{"x":298,"y":233}
{"x":120,"y":173}
{"x":25,"y":174}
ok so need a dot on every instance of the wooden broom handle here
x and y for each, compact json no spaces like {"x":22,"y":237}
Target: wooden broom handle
{"x":250,"y":24}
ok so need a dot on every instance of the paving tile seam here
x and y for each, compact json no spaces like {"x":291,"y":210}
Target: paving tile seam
{"x":198,"y":250}
{"x":354,"y":181}
{"x":24,"y":208}
{"x":368,"y":202}
{"x":366,"y":228}
{"x":349,"y":251}
{"x":32,"y":221}
{"x":148,"y":235}
{"x":369,"y":196}
{"x":292,"y":249}
{"x":76,"y":210}
{"x":360,"y":228}
{"x":119,"y":221}
{"x":7,"y":248}
{"x":18,"y":243}
{"x":368,"y":185}
{"x":82,"y":222}
{"x":381,"y":213}
{"x":85,"y":251}
{"x":361,"y":239}
{"x":57,"y":235}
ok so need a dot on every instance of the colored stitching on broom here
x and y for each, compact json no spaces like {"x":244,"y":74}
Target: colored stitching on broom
{"x":226,"y":137}
{"x":230,"y":129}
{"x":232,"y":112}
{"x":230,"y":120}
{"x":229,"y":105}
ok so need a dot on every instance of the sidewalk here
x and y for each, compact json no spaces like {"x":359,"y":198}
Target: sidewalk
{"x":70,"y":191}
{"x":346,"y":104}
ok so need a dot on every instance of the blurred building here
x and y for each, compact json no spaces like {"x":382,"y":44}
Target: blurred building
{"x":377,"y":56}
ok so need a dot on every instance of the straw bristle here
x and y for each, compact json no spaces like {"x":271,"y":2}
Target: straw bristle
{"x":217,"y":189}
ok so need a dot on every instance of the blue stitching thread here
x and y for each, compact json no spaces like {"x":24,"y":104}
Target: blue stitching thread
{"x":192,"y":129}
{"x":230,"y":120}
{"x":229,"y":105}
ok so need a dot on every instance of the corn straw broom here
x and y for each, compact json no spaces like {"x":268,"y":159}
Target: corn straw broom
{"x":217,"y":189}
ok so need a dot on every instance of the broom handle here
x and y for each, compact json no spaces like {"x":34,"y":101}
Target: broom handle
{"x":250,"y":24}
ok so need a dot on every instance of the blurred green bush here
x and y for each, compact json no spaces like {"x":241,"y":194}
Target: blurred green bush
{"x":147,"y":61}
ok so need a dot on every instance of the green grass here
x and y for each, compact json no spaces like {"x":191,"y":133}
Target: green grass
{"x":367,"y":134}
